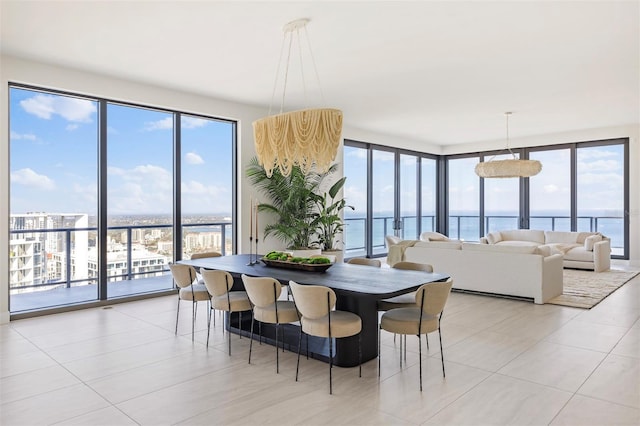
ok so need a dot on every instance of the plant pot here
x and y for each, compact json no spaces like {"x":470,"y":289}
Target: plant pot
{"x":338,"y":255}
{"x":304,"y":252}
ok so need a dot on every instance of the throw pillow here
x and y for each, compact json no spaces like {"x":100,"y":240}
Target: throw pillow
{"x":433,"y":236}
{"x":494,"y":237}
{"x":590,"y":241}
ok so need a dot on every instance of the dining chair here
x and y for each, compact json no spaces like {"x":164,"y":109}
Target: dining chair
{"x":204,"y":255}
{"x":365,"y":261}
{"x":407,"y":300}
{"x":318,"y":318}
{"x":424,"y":318}
{"x":218,"y":284}
{"x":185,"y":278}
{"x":263,"y":293}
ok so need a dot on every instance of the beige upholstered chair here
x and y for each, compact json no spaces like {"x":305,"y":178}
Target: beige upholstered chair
{"x":263,"y":293}
{"x":404,"y":300}
{"x":365,"y":261}
{"x":205,"y":254}
{"x":421,"y":319}
{"x":315,"y":304}
{"x":218,"y":284}
{"x":186,"y":279}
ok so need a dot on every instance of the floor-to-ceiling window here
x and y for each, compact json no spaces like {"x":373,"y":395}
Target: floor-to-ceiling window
{"x":207,"y":185}
{"x":463,"y":199}
{"x":53,"y":197}
{"x":390,"y":190}
{"x":102,"y":192}
{"x":600,"y":192}
{"x":550,"y":191}
{"x":501,"y":201}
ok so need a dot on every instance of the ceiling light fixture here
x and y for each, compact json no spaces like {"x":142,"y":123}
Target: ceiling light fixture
{"x":303,"y":137}
{"x":508,"y":168}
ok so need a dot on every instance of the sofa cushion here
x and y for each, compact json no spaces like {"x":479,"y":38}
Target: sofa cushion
{"x":544,"y":250}
{"x":579,"y":254}
{"x":523,"y":235}
{"x":591,"y":240}
{"x":494,"y":237}
{"x":449,"y":244}
{"x":560,"y":237}
{"x":518,"y":243}
{"x":433,"y":236}
{"x":501,"y":248}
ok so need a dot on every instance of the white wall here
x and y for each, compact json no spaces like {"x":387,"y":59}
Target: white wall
{"x":47,"y":76}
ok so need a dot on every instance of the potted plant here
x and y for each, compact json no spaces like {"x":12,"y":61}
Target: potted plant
{"x":293,"y":201}
{"x":329,"y":222}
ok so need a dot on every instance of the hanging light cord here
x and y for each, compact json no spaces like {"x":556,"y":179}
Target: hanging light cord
{"x":507,"y":114}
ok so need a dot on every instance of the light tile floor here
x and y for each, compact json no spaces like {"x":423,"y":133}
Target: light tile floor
{"x":507,"y":362}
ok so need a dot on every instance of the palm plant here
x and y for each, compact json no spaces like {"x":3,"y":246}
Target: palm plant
{"x":293,"y":201}
{"x":328,"y":216}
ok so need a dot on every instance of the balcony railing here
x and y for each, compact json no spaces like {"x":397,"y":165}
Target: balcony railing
{"x":144,"y":271}
{"x":466,"y":227}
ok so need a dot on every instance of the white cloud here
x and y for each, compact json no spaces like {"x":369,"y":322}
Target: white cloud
{"x":71,"y":109}
{"x":164,"y":124}
{"x":357,"y":153}
{"x":588,"y":154}
{"x":193,"y":158}
{"x":28,"y":177}
{"x":22,"y":136}
{"x":71,"y":127}
{"x":610,"y":179}
{"x":551,"y":188}
{"x":599,"y":166}
{"x":193,"y":122}
{"x":198,"y":188}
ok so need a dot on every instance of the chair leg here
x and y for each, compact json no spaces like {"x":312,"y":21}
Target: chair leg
{"x":379,"y":333}
{"x":277,"y":351}
{"x":240,"y":323}
{"x":208,"y":326}
{"x":420,"y":362}
{"x":441,"y":354}
{"x":193,"y":319}
{"x":426,"y":337}
{"x":299,"y":347}
{"x":177,"y":314}
{"x":360,"y":354}
{"x":229,"y":334}
{"x":401,"y":352}
{"x":330,"y":366}
{"x":251,"y":339}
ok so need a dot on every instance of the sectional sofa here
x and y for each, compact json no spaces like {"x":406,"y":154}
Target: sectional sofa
{"x":580,"y":250}
{"x":509,"y":270}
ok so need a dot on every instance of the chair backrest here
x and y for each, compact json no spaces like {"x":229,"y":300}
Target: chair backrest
{"x":311,"y":300}
{"x":433,"y":296}
{"x":365,"y":261}
{"x":413,"y":266}
{"x":217,"y":282}
{"x":183,"y":275}
{"x":262,"y":291}
{"x":205,"y":254}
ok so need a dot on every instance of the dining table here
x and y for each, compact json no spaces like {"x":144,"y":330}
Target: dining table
{"x":358,"y":289}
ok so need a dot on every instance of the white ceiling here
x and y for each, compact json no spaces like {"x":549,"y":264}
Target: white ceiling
{"x":438,"y":72}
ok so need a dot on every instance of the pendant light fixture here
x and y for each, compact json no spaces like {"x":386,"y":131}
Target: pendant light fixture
{"x":508,"y":168}
{"x":304,"y":137}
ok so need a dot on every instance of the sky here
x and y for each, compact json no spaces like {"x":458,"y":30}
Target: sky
{"x":54,"y":157}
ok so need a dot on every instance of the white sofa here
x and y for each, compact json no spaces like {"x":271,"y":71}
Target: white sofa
{"x":521,"y":271}
{"x":581,"y":250}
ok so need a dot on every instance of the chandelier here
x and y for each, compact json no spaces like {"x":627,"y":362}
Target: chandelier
{"x":508,"y":168}
{"x":301,"y":138}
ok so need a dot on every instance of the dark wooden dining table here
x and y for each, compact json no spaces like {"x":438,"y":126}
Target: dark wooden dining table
{"x":358,"y":289}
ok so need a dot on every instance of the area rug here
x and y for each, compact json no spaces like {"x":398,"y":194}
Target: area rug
{"x":585,"y":289}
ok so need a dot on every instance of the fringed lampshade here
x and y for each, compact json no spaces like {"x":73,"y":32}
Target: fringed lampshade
{"x":508,"y":168}
{"x":305,"y":137}
{"x":511,"y":168}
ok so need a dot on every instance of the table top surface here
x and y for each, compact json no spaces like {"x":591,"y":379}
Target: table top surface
{"x":343,"y":278}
